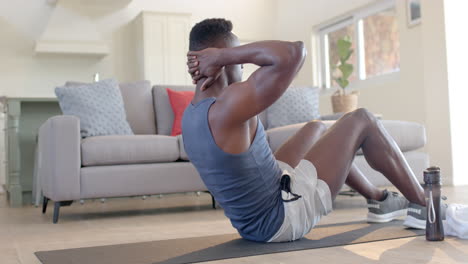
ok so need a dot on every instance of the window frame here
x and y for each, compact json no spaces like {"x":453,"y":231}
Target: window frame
{"x":320,"y":40}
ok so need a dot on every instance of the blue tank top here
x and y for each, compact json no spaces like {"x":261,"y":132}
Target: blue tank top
{"x":246,"y":185}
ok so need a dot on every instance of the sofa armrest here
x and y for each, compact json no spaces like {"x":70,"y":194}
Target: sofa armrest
{"x":331,"y":117}
{"x":339,"y":115}
{"x":278,"y":135}
{"x":59,"y":158}
{"x":408,"y":135}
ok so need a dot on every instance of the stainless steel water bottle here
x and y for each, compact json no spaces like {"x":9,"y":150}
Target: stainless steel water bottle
{"x":432,"y":189}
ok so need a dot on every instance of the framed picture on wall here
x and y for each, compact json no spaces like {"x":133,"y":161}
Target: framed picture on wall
{"x":413,"y":12}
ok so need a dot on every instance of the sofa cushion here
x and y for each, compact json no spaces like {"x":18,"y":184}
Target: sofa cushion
{"x":138,"y":103}
{"x":162,"y":106}
{"x":99,"y":106}
{"x":139,"y":107}
{"x":296,"y":105}
{"x":408,"y":135}
{"x":117,"y":150}
{"x":139,"y":179}
{"x":183,"y":154}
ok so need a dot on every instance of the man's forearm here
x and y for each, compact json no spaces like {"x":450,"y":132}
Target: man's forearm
{"x":263,"y":53}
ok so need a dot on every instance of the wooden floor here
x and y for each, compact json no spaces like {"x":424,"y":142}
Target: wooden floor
{"x":25,"y":230}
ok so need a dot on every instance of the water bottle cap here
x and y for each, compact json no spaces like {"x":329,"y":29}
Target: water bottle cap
{"x":432,"y":175}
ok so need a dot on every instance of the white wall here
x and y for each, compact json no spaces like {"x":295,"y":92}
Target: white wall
{"x":456,"y":39}
{"x":24,"y":73}
{"x":437,"y":123}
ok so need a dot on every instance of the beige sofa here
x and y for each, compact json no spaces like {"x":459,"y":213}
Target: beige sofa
{"x":151,"y":161}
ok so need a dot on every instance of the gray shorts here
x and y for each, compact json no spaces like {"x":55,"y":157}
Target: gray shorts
{"x":302,"y":213}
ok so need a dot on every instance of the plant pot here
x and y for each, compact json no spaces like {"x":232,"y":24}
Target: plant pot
{"x":344,"y":103}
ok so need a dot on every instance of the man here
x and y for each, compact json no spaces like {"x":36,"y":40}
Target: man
{"x":278,"y":197}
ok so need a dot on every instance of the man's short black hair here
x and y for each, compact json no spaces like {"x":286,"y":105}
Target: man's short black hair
{"x":205,"y":33}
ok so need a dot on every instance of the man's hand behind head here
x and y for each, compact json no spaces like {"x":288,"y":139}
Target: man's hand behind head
{"x":205,"y":65}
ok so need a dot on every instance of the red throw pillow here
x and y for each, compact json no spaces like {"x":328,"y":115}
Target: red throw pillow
{"x":179,"y":101}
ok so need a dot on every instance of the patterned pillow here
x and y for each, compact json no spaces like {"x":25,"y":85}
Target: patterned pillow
{"x":99,"y":106}
{"x":296,"y":105}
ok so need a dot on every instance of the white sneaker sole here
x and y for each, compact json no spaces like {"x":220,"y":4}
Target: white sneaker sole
{"x":413,"y":222}
{"x":383,"y":218}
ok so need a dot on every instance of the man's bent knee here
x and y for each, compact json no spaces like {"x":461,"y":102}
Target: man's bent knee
{"x":364,"y":115}
{"x":317,"y":126}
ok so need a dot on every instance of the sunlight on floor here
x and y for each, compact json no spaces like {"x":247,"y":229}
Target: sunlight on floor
{"x":374,"y":251}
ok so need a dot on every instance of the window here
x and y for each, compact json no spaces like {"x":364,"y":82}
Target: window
{"x":381,"y":43}
{"x":333,"y":58}
{"x":376,"y":44}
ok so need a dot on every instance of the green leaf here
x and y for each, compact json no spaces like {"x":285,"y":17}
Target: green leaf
{"x":345,"y":58}
{"x":344,"y":47}
{"x":346,"y":70}
{"x":344,"y":52}
{"x":343,"y":83}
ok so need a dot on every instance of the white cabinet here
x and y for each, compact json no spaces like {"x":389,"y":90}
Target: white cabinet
{"x":162,"y":41}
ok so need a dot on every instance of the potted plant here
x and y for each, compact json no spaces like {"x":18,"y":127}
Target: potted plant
{"x":342,"y":101}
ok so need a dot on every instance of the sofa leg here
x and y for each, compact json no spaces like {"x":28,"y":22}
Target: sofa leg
{"x":57,"y":209}
{"x":56,"y":212}
{"x":213,"y":201}
{"x":44,"y":204}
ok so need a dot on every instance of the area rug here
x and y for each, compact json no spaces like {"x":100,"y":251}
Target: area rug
{"x":209,"y":248}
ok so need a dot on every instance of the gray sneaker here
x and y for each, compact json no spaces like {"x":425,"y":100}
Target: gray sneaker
{"x":417,"y":215}
{"x":394,"y":206}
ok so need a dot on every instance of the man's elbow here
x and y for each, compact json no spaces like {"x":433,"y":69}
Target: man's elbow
{"x":293,"y":55}
{"x":298,"y":52}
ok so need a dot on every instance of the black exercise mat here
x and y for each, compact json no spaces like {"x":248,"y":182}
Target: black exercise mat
{"x":208,"y":248}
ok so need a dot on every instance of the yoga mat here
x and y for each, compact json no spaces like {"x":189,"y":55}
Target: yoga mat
{"x":208,"y":248}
